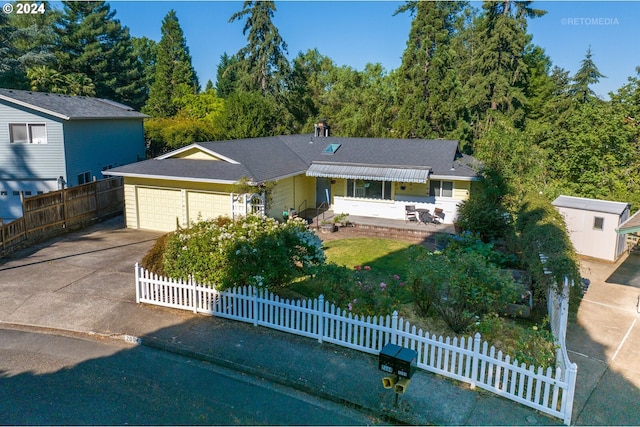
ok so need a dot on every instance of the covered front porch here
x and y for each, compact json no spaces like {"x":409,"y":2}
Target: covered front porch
{"x":385,"y":192}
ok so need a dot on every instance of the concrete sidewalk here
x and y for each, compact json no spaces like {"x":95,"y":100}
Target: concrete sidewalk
{"x":83,"y":283}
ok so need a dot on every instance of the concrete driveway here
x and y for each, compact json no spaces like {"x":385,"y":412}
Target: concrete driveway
{"x":86,"y":275}
{"x":604,"y":340}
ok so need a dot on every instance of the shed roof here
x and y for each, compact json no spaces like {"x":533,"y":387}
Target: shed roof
{"x":595,"y":205}
{"x":68,"y":107}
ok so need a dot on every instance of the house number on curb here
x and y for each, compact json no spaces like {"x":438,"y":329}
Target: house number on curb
{"x":132,"y":339}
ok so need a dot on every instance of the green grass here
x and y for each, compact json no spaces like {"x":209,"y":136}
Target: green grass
{"x":384,"y":256}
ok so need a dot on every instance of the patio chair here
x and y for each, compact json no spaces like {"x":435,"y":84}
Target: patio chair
{"x":438,"y":215}
{"x":410,"y":213}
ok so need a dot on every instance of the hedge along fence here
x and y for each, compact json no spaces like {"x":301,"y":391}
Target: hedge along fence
{"x":542,"y":229}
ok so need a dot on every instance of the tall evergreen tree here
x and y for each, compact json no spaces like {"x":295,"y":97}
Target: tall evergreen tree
{"x":429,"y":90}
{"x":499,"y":72}
{"x":587,"y":75}
{"x":26,"y":40}
{"x":262,"y":65}
{"x":226,"y":75}
{"x":174,"y":77}
{"x":93,"y":44}
{"x":146,"y":50}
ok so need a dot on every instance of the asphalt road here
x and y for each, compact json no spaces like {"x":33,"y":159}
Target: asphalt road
{"x":58,"y":380}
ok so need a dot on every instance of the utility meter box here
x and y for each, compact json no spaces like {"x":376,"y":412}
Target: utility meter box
{"x":387,"y":358}
{"x":397,"y":360}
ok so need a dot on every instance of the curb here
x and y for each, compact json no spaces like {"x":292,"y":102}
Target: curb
{"x":269,"y":376}
{"x":216,"y":360}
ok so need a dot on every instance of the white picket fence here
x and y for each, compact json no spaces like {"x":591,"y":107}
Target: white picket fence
{"x":468,"y":359}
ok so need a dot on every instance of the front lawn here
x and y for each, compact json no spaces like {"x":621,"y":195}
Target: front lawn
{"x":385,"y":256}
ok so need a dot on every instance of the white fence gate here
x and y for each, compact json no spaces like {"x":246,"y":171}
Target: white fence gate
{"x":464,"y":359}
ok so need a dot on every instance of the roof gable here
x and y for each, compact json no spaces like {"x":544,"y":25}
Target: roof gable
{"x":198,"y":152}
{"x":67,"y":107}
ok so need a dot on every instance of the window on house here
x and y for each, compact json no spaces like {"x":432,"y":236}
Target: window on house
{"x":4,"y":193}
{"x":27,"y":133}
{"x":83,"y":178}
{"x":441,"y":188}
{"x":27,"y":193}
{"x":16,"y":193}
{"x":369,"y":189}
{"x":598,"y":223}
{"x":40,"y":192}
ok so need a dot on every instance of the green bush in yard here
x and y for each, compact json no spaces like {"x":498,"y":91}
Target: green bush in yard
{"x":362,"y":290}
{"x":460,"y":286}
{"x":254,"y":250}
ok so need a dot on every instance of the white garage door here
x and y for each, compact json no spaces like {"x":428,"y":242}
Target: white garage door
{"x":158,"y":208}
{"x":207,"y":205}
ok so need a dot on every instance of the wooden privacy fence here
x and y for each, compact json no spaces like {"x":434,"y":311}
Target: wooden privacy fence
{"x":52,"y":213}
{"x":464,"y":359}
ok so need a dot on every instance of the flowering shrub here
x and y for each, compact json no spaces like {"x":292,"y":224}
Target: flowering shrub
{"x":254,"y":250}
{"x":360,"y":291}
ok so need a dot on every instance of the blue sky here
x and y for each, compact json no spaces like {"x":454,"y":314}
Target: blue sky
{"x":357,"y":32}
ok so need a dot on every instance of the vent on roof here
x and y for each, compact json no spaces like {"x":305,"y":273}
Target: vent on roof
{"x":331,"y":149}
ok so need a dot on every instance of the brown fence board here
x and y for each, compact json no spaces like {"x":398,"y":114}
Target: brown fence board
{"x":54,"y":212}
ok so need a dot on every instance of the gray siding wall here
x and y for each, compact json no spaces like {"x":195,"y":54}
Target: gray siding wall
{"x":30,"y":161}
{"x":93,"y":145}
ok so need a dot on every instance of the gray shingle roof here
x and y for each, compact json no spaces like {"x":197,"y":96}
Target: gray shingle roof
{"x":594,"y":205}
{"x":69,"y":107}
{"x":183,"y":170}
{"x":269,"y":158}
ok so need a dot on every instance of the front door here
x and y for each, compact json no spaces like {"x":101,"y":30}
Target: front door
{"x":323,"y":191}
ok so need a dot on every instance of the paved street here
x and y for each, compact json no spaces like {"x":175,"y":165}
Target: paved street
{"x":53,"y":380}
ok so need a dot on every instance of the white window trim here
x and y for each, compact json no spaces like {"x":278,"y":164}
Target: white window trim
{"x":368,"y":198}
{"x":28,"y":127}
{"x":453,"y":188}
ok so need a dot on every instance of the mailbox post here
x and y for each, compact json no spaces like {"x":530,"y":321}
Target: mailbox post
{"x":400,"y":364}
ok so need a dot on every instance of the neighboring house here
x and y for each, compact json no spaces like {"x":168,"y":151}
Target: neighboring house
{"x":50,"y":140}
{"x":592,"y":225}
{"x":359,"y":176}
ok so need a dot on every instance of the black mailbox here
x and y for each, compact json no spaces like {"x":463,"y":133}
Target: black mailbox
{"x":407,"y":362}
{"x":387,"y":358}
{"x":397,"y":360}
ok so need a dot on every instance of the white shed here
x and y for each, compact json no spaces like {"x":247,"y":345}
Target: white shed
{"x":592,"y":225}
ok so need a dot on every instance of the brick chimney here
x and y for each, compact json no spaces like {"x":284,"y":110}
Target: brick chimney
{"x":322,"y":128}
